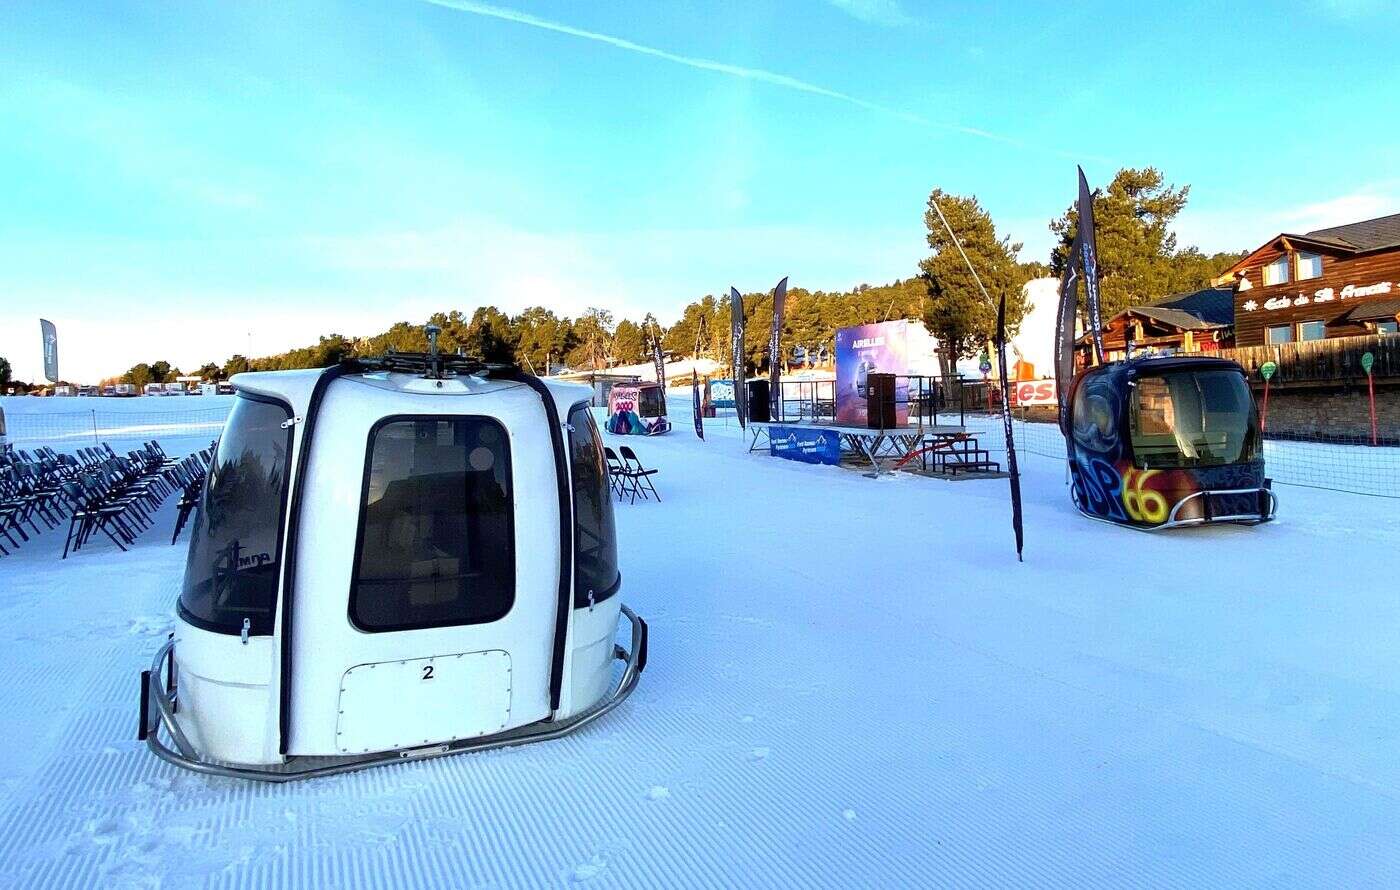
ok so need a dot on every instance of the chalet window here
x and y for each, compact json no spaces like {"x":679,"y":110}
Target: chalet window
{"x":1276,"y":272}
{"x":1309,"y":266}
{"x":1278,"y":333}
{"x":1312,"y":330}
{"x":1388,"y":327}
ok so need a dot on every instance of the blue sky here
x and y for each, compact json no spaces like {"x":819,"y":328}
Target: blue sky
{"x":186,"y":181}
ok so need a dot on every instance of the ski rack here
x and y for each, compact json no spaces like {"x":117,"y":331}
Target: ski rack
{"x":432,"y":365}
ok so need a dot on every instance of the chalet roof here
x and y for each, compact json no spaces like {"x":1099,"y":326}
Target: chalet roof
{"x":1380,"y":233}
{"x":1201,"y":310}
{"x":1178,"y":318}
{"x":1213,"y":305}
{"x":1372,"y":234}
{"x":1377,"y":310}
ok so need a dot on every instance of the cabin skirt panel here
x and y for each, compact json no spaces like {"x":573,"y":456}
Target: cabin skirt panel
{"x":420,"y":701}
{"x":591,"y":663}
{"x":218,"y":675}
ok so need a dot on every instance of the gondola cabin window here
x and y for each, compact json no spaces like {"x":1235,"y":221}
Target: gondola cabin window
{"x":235,"y":548}
{"x":595,"y":541}
{"x":649,"y":402}
{"x":1192,"y":419}
{"x":436,"y":542}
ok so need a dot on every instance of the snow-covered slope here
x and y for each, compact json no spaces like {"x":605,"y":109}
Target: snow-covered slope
{"x":852,"y":683}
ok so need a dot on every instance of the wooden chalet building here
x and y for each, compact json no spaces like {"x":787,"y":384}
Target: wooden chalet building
{"x":1337,"y":282}
{"x":1199,"y":321}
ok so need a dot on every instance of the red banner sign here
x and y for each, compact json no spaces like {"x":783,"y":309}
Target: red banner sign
{"x":1033,"y":392}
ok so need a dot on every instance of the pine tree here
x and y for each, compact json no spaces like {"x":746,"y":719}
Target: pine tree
{"x":956,"y":311}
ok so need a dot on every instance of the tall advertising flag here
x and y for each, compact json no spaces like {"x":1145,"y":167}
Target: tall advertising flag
{"x":736,"y":345}
{"x":1089,"y":252}
{"x":695,"y":403}
{"x":50,"y":334}
{"x":775,"y":351}
{"x":1011,"y":467}
{"x":1064,"y":332}
{"x":659,"y":361}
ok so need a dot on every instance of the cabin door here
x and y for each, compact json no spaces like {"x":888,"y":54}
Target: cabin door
{"x":439,"y":633}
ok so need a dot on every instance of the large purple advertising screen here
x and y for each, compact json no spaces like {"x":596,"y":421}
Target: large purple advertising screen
{"x":865,"y":349}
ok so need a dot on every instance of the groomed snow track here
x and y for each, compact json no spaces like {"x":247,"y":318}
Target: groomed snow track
{"x":860,"y":689}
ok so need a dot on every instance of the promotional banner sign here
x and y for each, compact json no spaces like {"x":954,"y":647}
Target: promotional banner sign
{"x":736,"y":345}
{"x":1034,"y":393}
{"x":880,"y":348}
{"x":1064,"y":332}
{"x":660,"y":362}
{"x":695,"y":402}
{"x":775,"y":355}
{"x":805,"y":444}
{"x":50,"y":334}
{"x":1089,"y":252}
{"x":722,"y":393}
{"x":1011,"y":467}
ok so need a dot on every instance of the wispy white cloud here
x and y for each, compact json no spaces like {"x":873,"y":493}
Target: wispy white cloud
{"x":876,"y":12}
{"x":760,"y":75}
{"x":1246,"y":227}
{"x":1352,"y":9}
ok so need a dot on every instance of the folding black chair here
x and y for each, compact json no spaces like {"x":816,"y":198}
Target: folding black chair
{"x":618,"y":476}
{"x":639,"y":474}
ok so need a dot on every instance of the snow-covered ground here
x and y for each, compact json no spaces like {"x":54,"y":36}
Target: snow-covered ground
{"x":852,"y":683}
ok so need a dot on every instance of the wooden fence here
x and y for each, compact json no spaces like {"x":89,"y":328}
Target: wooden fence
{"x":1321,"y":361}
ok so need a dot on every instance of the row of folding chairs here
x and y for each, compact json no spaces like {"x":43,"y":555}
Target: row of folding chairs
{"x":192,"y":485}
{"x":628,"y":476}
{"x":120,"y":499}
{"x":96,"y":489}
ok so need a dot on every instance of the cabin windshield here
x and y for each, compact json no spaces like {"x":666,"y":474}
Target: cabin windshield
{"x":235,"y":548}
{"x":595,"y":540}
{"x":649,"y":402}
{"x":1193,"y":419}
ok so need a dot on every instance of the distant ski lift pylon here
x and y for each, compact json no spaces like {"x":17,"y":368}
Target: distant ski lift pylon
{"x":393,"y":558}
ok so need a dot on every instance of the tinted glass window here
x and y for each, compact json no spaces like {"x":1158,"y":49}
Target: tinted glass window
{"x":595,"y":541}
{"x":1279,"y":333}
{"x":436,"y":533}
{"x":1312,"y":330}
{"x":650,"y":402}
{"x":1193,"y":419}
{"x":235,"y":547}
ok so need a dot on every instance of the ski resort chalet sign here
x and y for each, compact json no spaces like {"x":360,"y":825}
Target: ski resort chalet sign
{"x":1325,"y":295}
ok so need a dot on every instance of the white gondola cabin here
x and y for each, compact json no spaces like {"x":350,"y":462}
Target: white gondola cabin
{"x":393,"y":558}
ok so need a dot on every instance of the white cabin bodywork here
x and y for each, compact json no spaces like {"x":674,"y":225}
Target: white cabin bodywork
{"x":354,"y":691}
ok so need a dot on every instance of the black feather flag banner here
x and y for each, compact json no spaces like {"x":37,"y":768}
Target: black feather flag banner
{"x":659,"y":360}
{"x":50,"y":335}
{"x":775,"y":351}
{"x":695,"y":404}
{"x":1064,"y":332}
{"x":1011,"y":467}
{"x":1089,"y":254}
{"x":1005,"y":386}
{"x":736,"y":344}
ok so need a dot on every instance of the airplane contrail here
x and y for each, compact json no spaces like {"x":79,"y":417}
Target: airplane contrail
{"x":758,"y":74}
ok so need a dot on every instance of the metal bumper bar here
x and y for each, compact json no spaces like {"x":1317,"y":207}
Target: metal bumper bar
{"x":158,"y":704}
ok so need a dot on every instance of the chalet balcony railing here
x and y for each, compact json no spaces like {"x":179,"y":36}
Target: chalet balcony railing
{"x":1321,"y":361}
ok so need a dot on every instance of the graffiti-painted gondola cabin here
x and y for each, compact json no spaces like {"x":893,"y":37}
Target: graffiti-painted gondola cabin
{"x":1166,"y":442}
{"x":637,"y":410}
